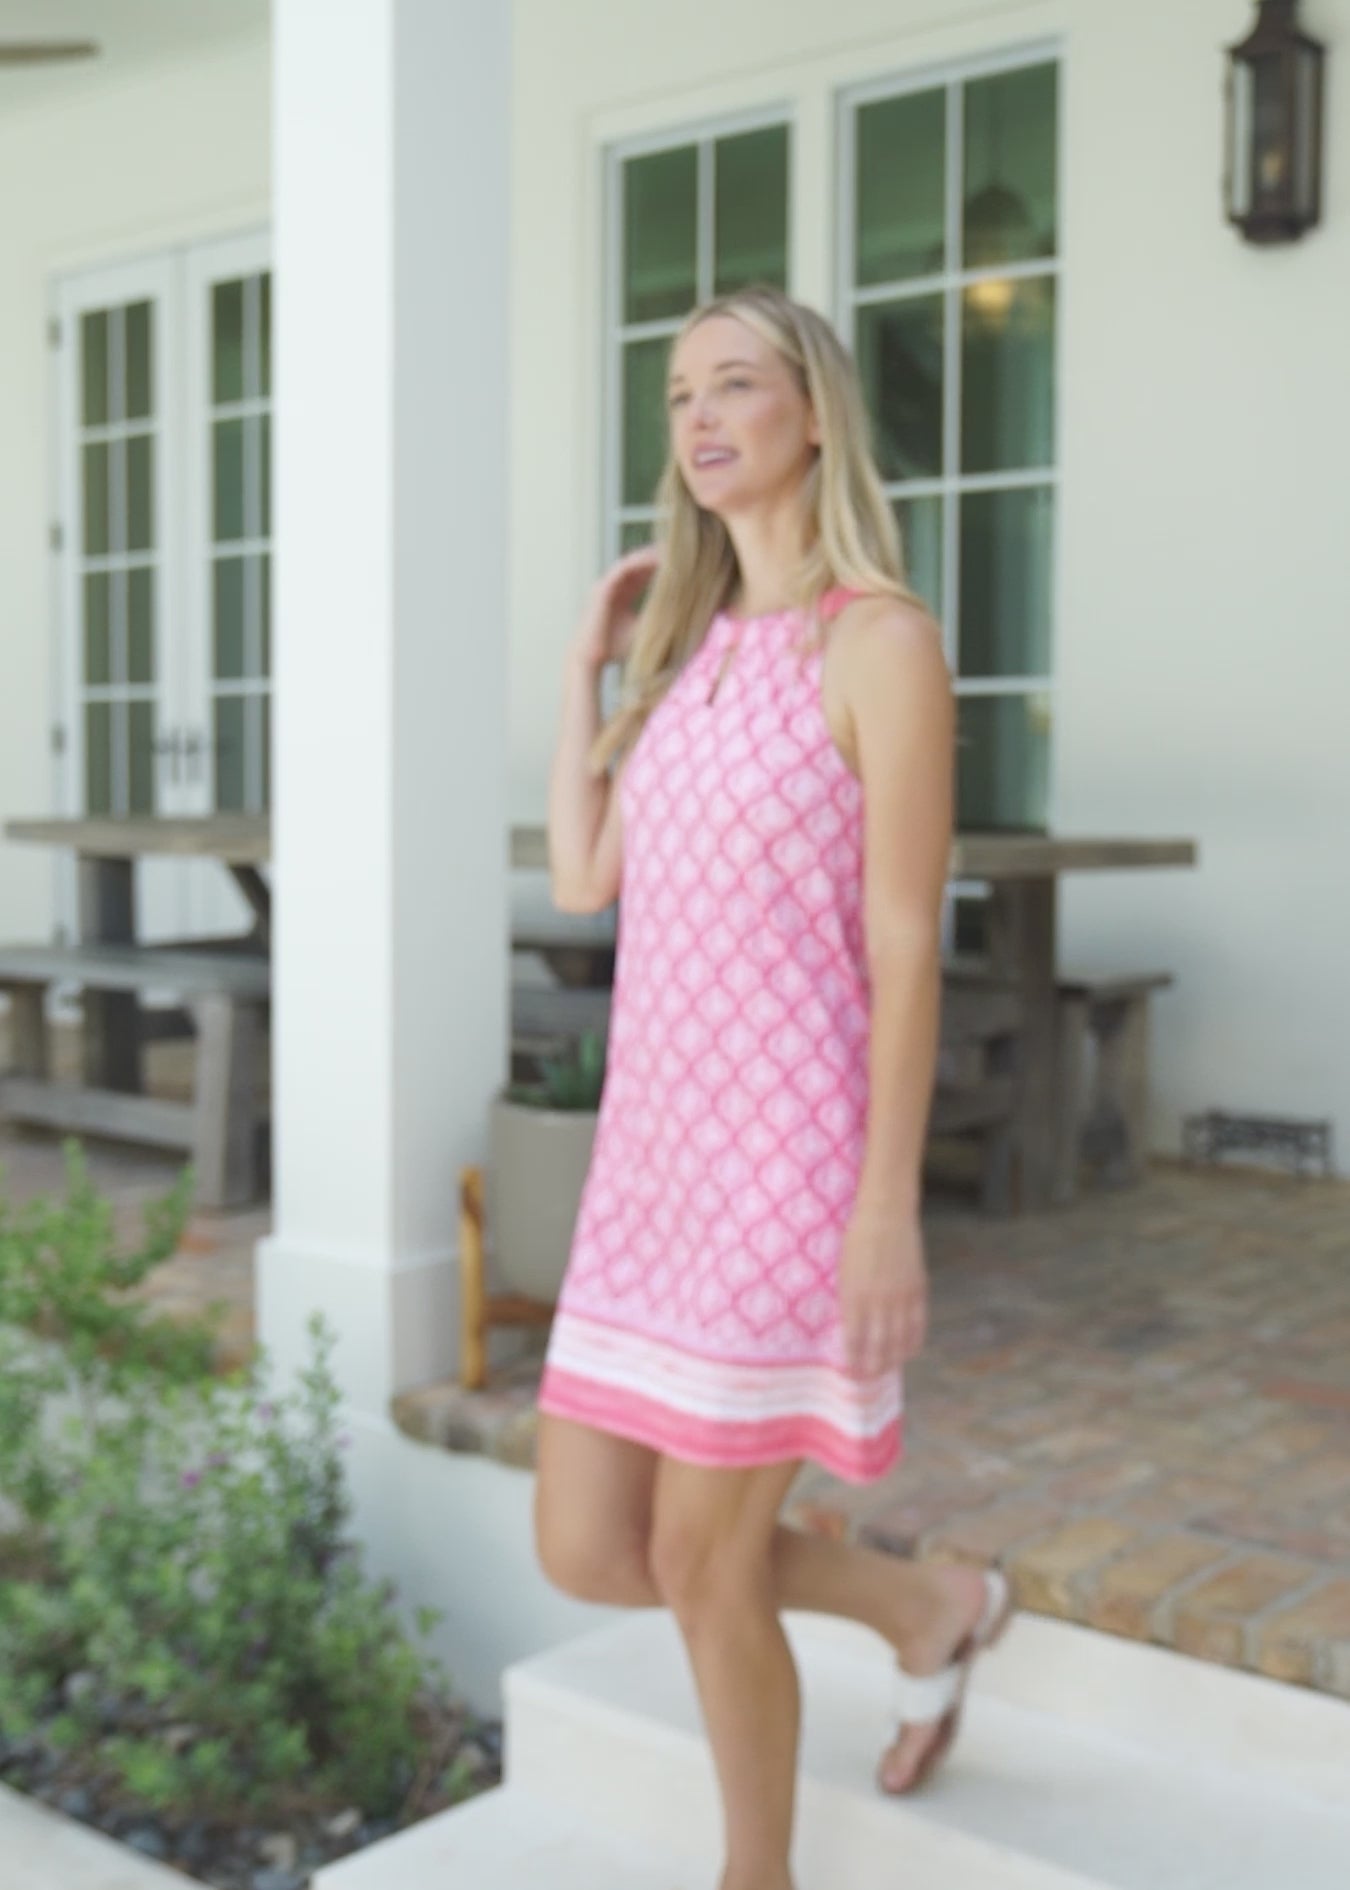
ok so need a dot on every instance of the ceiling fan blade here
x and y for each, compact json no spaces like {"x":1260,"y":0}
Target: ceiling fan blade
{"x":41,"y":52}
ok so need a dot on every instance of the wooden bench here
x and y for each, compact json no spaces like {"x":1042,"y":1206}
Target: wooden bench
{"x":1103,"y":1077}
{"x":227,"y":994}
{"x":975,"y":1093}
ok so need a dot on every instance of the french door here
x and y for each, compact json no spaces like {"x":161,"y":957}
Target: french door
{"x":163,"y":541}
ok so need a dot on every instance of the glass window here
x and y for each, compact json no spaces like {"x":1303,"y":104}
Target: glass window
{"x":750,"y":217}
{"x":952,"y":290}
{"x":695,"y":219}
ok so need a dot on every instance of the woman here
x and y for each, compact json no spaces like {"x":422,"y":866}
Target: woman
{"x":747,"y":1273}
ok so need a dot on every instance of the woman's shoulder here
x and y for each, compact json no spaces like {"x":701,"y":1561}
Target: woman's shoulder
{"x":878,"y":613}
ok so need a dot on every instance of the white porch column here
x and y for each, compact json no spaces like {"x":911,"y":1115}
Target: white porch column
{"x":390,"y":822}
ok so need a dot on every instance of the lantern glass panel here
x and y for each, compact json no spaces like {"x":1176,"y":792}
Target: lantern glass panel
{"x":1270,"y":134}
{"x":1306,"y":116}
{"x":1239,"y":139}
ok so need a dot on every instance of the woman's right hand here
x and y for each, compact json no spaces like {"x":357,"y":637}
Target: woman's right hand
{"x":605,"y":634}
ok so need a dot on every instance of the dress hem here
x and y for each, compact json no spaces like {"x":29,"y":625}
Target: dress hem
{"x":714,"y":1444}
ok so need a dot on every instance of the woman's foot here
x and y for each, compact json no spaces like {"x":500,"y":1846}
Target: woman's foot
{"x":959,"y":1599}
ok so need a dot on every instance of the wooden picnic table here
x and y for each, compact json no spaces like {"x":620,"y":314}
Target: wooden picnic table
{"x":1022,"y":872}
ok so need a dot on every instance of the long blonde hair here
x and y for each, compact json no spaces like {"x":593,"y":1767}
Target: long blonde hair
{"x":850,"y":536}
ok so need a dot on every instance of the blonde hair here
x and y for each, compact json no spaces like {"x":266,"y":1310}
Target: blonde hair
{"x":850,"y":537}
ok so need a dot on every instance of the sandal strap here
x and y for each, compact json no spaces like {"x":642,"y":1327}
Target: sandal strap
{"x":924,"y":1699}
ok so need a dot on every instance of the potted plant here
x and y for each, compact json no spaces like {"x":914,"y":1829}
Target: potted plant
{"x":539,"y":1149}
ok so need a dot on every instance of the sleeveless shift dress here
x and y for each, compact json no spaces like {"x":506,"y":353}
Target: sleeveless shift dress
{"x":699,"y":1313}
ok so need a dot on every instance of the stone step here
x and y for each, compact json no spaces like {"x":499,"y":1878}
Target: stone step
{"x":510,"y":1840}
{"x":1085,"y":1763}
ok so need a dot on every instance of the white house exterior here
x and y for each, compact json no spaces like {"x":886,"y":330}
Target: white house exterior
{"x":433,"y":185}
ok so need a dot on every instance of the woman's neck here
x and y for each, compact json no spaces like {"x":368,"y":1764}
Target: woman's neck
{"x":768,"y":548}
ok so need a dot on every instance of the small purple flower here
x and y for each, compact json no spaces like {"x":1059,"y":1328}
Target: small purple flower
{"x":345,"y":1441}
{"x":190,"y":1479}
{"x":218,"y":1460}
{"x":265,"y":1412}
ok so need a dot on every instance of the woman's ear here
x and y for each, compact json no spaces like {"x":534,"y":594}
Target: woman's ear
{"x":812,"y":428}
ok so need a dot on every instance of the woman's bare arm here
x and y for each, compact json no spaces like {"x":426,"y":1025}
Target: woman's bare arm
{"x":585,"y":846}
{"x":898,"y":694}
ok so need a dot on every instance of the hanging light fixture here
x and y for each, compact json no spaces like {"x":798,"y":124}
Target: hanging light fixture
{"x":1273,"y":185}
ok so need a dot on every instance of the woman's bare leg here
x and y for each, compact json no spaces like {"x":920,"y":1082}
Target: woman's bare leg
{"x":594,"y":1507}
{"x":713,"y":1564}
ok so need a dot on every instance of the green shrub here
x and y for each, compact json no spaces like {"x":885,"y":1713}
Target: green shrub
{"x":573,"y":1081}
{"x":192,"y":1618}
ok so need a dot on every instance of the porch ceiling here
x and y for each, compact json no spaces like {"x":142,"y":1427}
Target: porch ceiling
{"x":130,"y":32}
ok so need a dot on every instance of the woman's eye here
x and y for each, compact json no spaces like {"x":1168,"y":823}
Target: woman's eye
{"x":677,"y":400}
{"x":738,"y":384}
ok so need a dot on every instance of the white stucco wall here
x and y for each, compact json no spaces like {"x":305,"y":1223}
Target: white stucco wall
{"x":100,"y":173}
{"x":1202,"y":659}
{"x":1203,"y":637}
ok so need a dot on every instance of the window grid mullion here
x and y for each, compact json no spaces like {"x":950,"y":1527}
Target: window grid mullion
{"x":704,"y":202}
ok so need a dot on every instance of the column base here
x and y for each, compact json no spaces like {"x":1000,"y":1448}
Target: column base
{"x":397,"y":1326}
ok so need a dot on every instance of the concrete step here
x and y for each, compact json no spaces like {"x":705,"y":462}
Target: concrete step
{"x":510,"y":1840}
{"x":1086,"y":1762}
{"x":42,"y":1850}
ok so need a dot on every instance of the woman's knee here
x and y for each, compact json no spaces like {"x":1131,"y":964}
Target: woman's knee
{"x":607,"y":1565}
{"x":700,"y":1574}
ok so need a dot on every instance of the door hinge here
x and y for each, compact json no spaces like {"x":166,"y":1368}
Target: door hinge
{"x":56,"y":535}
{"x":58,"y":739}
{"x":54,"y":332}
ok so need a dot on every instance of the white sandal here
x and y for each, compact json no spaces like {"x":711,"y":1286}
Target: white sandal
{"x":937,"y":1699}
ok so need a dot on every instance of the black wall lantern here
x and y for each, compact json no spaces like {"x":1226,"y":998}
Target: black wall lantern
{"x":1274,"y":181}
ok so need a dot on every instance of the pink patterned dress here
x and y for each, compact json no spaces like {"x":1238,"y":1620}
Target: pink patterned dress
{"x":700,"y":1314}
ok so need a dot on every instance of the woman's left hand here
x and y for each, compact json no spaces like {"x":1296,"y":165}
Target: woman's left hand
{"x":883,"y":1289}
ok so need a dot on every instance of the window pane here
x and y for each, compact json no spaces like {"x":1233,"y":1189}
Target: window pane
{"x":750,"y":221}
{"x":1003,"y":748}
{"x":96,"y":499}
{"x":265,"y":335}
{"x":140,"y":492}
{"x":920,"y":522}
{"x":94,"y":368}
{"x":1008,"y":375}
{"x":1010,"y":167}
{"x":265,"y":613}
{"x":228,"y":618}
{"x":229,"y":479}
{"x":98,"y":758}
{"x":660,"y":275}
{"x":264,"y":706}
{"x":899,"y":351}
{"x":97,"y":639}
{"x":227,"y":341}
{"x":644,"y":419}
{"x":634,"y":533}
{"x":1006,"y":554}
{"x":901,"y":184}
{"x":141,"y":625}
{"x":138,"y":385}
{"x":970,"y":925}
{"x":142,"y":758}
{"x":229,"y":736}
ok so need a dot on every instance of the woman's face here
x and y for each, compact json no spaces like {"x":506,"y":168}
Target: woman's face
{"x":742,"y":430}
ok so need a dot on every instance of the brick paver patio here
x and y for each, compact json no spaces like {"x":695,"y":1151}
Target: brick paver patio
{"x":1140,"y":1404}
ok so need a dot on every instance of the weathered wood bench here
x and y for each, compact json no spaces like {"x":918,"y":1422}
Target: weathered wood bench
{"x":227,"y":994}
{"x":975,"y":1093}
{"x":1103,"y":1027}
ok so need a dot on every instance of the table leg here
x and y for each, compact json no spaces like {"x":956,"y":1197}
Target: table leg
{"x":1022,"y":950}
{"x":112,"y":1023}
{"x":259,"y":895}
